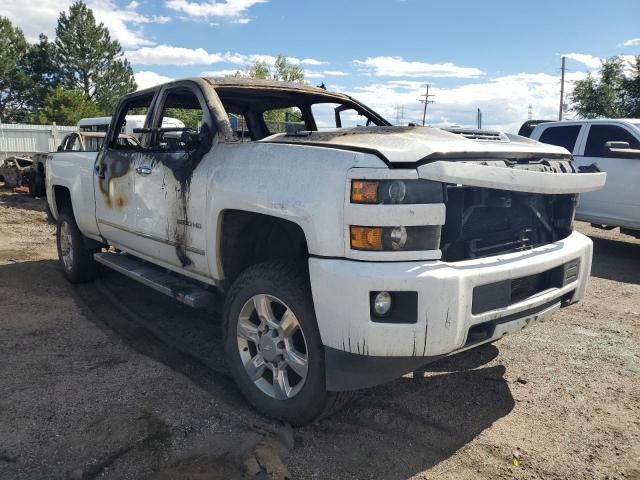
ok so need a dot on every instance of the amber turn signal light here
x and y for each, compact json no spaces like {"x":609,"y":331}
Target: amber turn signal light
{"x":364,"y":191}
{"x":366,"y":238}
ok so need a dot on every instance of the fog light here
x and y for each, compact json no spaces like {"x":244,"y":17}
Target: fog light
{"x":398,"y":237}
{"x":382,"y":303}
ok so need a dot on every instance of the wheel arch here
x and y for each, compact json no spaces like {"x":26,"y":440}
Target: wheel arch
{"x":60,"y":200}
{"x":247,"y":238}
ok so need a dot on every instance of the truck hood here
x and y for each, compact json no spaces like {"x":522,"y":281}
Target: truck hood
{"x":414,"y":144}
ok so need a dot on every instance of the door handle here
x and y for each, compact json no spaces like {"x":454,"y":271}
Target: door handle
{"x":143,"y":170}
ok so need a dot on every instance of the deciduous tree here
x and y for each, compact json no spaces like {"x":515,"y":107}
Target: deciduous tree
{"x":66,"y":107}
{"x":613,"y":93}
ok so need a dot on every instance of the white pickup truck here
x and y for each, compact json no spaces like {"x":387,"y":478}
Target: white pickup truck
{"x":345,"y":256}
{"x":603,"y":145}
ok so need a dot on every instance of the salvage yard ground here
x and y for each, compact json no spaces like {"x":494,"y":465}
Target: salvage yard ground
{"x":112,"y":380}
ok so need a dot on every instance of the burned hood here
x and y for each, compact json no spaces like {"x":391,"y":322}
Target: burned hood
{"x":415,"y":144}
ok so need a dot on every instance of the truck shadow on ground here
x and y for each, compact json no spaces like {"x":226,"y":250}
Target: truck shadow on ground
{"x":616,"y":260}
{"x":418,"y":422}
{"x":408,"y":425}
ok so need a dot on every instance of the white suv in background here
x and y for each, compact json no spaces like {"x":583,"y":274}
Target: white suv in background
{"x":611,"y":146}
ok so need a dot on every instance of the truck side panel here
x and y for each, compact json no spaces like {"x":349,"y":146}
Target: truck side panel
{"x":74,"y":171}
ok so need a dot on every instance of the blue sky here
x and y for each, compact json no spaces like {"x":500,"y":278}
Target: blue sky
{"x":500,"y":56}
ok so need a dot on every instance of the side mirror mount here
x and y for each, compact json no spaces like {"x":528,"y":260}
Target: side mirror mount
{"x":59,"y":148}
{"x":617,"y":146}
{"x":191,"y":139}
{"x":621,"y":149}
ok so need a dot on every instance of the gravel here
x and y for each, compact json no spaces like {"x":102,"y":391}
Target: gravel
{"x":113,"y":380}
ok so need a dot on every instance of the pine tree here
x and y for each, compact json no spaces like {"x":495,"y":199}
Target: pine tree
{"x":14,"y":81}
{"x":89,"y":61}
{"x":42,"y":70}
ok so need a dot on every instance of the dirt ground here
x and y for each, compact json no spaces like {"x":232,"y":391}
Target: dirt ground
{"x":112,"y":380}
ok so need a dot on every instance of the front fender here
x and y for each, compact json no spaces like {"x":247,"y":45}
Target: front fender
{"x":300,"y":184}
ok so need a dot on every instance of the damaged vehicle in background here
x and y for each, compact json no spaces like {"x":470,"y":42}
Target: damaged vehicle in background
{"x":345,"y":256}
{"x":71,"y":146}
{"x":13,"y":171}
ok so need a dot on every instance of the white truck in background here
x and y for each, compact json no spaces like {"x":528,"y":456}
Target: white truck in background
{"x":345,"y":257}
{"x":132,"y":122}
{"x":603,"y":145}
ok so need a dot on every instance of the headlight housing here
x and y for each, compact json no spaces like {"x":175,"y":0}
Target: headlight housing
{"x":395,"y":239}
{"x":396,"y":192}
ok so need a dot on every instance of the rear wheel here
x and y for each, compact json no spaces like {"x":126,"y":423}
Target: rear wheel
{"x":76,"y":261}
{"x":273,"y":345}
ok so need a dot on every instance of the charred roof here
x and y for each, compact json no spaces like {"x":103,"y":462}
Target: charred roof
{"x":242,"y":91}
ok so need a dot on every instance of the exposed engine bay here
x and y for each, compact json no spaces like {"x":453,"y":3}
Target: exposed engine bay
{"x":481,"y":222}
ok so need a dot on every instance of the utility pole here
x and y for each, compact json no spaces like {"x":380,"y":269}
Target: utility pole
{"x":479,"y":119}
{"x":426,"y":102}
{"x":530,"y":112}
{"x":561,"y":90}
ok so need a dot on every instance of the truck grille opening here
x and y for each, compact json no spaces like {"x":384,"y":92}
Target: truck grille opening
{"x":482,"y":222}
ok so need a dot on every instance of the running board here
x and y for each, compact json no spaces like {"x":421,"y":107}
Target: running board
{"x":188,"y":291}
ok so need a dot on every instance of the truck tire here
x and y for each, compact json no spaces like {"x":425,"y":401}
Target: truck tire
{"x":76,"y":261}
{"x":273,"y":346}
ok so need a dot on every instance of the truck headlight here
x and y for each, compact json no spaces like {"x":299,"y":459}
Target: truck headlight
{"x":389,"y":192}
{"x":397,"y":239}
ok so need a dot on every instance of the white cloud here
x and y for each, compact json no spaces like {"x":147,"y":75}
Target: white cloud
{"x":631,"y":42}
{"x":230,"y":9}
{"x":170,"y":55}
{"x":311,"y":61}
{"x":146,"y":79}
{"x":503,"y":100}
{"x":41,"y":16}
{"x":589,"y":60}
{"x":398,"y":67}
{"x":219,"y":73}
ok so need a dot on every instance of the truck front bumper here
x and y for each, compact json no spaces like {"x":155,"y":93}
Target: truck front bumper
{"x":362,"y":351}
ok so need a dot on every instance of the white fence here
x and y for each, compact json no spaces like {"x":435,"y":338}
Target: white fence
{"x":21,"y":139}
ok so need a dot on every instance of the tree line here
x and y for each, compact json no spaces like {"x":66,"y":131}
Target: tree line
{"x":80,"y":73}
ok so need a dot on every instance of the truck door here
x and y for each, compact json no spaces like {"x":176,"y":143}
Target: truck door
{"x":115,"y":175}
{"x":617,"y":202}
{"x":171,"y":187}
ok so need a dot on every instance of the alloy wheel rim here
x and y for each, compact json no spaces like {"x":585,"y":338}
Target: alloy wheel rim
{"x":66,"y":245}
{"x":272,"y":347}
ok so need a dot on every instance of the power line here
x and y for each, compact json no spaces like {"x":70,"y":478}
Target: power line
{"x":561,"y":90}
{"x":426,"y":101}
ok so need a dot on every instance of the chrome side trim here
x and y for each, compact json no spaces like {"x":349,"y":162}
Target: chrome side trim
{"x":197,"y":251}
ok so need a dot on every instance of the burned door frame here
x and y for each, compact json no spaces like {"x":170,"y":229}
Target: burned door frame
{"x":114,"y":178}
{"x":172,"y":193}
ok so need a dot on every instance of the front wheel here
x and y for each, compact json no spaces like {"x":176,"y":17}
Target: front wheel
{"x":273,"y":344}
